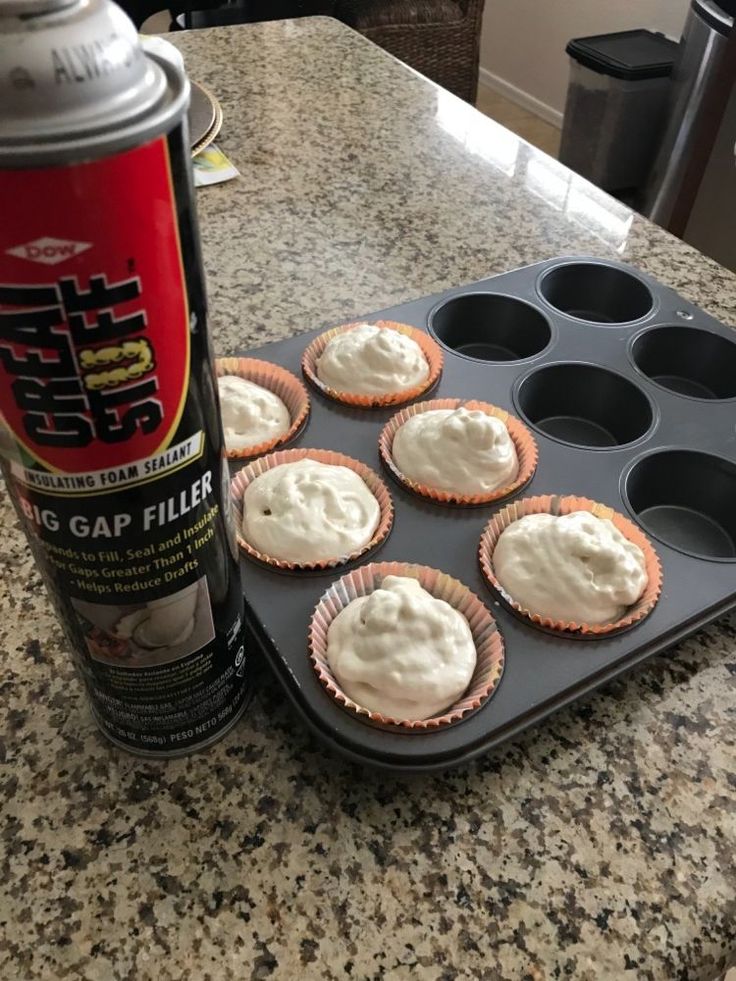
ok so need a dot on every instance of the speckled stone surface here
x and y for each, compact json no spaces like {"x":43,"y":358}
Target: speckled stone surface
{"x":600,"y":846}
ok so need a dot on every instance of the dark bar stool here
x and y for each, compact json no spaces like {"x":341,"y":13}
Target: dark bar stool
{"x":216,"y":13}
{"x":439,"y":38}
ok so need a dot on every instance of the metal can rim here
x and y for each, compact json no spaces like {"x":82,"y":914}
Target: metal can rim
{"x":100,"y":143}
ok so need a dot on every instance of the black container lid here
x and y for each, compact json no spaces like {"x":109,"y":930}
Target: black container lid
{"x":634,"y":55}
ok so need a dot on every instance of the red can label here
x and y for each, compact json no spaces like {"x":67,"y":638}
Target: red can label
{"x":94,"y":332}
{"x":111,"y":443}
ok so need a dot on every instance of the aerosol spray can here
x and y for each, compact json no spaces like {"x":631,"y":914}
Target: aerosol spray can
{"x":110,"y":437}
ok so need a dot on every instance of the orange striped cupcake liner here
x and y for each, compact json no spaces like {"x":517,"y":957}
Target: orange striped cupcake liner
{"x":524,"y":443}
{"x":366,"y":579}
{"x":277,"y":380}
{"x":431,"y":351}
{"x":554,"y":504}
{"x":256,"y":468}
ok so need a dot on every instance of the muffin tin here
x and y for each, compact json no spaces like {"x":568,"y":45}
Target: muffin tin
{"x":630,"y":391}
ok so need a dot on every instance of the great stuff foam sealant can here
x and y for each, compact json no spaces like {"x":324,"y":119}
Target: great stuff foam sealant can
{"x":111,"y":438}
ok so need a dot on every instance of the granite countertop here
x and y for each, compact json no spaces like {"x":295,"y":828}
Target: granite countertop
{"x":599,"y":846}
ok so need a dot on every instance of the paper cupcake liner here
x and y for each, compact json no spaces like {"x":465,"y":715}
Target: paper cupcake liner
{"x":524,"y":442}
{"x":277,"y":380}
{"x":553,"y":504}
{"x":248,"y":474}
{"x":431,"y":351}
{"x":486,"y":636}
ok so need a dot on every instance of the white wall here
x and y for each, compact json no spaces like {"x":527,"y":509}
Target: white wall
{"x":523,"y":41}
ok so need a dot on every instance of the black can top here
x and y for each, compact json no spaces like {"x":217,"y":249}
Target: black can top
{"x":718,"y":14}
{"x":634,"y":55}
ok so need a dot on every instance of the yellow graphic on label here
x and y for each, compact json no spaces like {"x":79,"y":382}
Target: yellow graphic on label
{"x":142,"y":364}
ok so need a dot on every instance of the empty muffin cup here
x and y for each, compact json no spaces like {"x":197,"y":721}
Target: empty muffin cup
{"x":490,"y":327}
{"x":596,"y":292}
{"x":584,"y":405}
{"x":487,"y":639}
{"x":553,"y":504}
{"x":524,"y":443}
{"x":277,"y":380}
{"x":685,"y":499}
{"x":256,"y":468}
{"x":687,"y":361}
{"x":430,"y":350}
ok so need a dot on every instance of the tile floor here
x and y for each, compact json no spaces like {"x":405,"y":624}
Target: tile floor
{"x":156,"y":23}
{"x":520,"y":121}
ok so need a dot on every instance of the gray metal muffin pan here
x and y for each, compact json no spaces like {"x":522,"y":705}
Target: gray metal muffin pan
{"x":631,"y":393}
